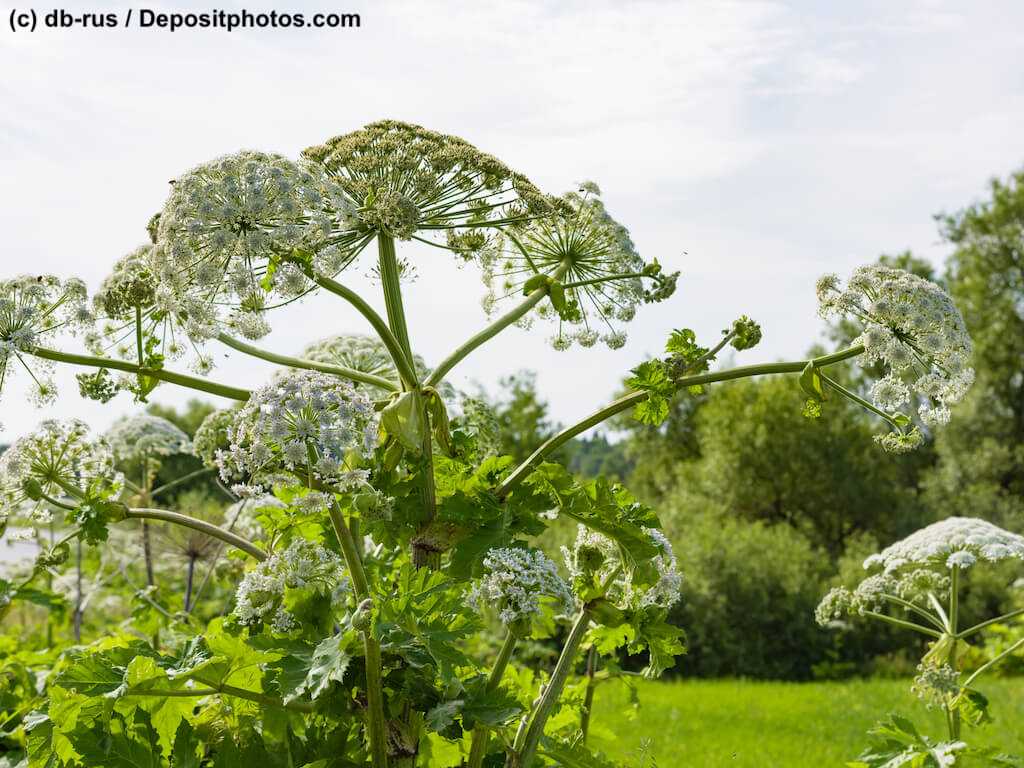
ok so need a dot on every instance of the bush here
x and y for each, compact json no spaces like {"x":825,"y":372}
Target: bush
{"x":749,"y":595}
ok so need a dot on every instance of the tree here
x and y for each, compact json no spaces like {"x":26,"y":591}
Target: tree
{"x":761,"y":459}
{"x":980,"y":466}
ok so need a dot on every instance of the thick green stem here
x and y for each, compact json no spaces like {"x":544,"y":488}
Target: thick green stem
{"x":349,"y":551}
{"x":481,"y":735}
{"x":628,"y":401}
{"x":242,"y":693}
{"x":398,"y":355}
{"x":181,"y":379}
{"x":309,"y":365}
{"x":522,"y":754}
{"x":588,"y":698}
{"x":492,"y":330}
{"x":166,"y":516}
{"x":424,"y":553}
{"x":376,"y":725}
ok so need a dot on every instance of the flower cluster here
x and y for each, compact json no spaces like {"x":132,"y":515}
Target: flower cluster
{"x":304,"y":565}
{"x":665,"y":592}
{"x":912,"y":327}
{"x":515,"y":582}
{"x":221,"y":236}
{"x":401,"y":179}
{"x":33,"y":310}
{"x":601,"y":279}
{"x":366,"y":354}
{"x":212,"y":435}
{"x":58,"y":460}
{"x":936,"y":683}
{"x":953,"y":542}
{"x":871,"y":594}
{"x":920,"y":564}
{"x":144,"y":437}
{"x":479,"y":419}
{"x":130,"y":286}
{"x":595,"y":557}
{"x":305,"y":423}
{"x":127,"y":298}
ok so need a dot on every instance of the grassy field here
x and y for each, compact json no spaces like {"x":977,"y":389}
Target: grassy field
{"x":706,"y":724}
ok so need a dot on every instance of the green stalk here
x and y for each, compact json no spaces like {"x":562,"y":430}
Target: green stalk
{"x":398,"y":355}
{"x":588,"y":698}
{"x":991,"y":663}
{"x":905,"y":624}
{"x":854,"y":397}
{"x":978,"y":627}
{"x":481,"y":735}
{"x":492,"y":330}
{"x":954,"y":611}
{"x":376,"y":725}
{"x":423,"y":555}
{"x":260,"y":698}
{"x":628,"y":401}
{"x":522,"y":754}
{"x":934,"y":620}
{"x":309,"y":365}
{"x":181,"y":480}
{"x":181,"y":379}
{"x":202,"y":526}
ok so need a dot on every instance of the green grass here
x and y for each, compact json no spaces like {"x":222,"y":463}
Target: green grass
{"x":736,"y":723}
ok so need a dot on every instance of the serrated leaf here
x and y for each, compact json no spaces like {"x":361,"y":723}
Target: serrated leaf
{"x":327,"y":664}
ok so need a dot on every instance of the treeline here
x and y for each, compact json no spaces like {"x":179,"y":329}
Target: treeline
{"x":767,"y":508}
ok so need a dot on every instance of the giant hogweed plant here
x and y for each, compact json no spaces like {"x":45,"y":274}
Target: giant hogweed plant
{"x":396,"y":532}
{"x":916,"y":584}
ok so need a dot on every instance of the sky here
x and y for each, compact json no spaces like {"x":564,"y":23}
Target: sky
{"x":751,"y":145}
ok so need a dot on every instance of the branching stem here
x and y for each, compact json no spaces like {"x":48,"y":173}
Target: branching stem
{"x":628,"y":401}
{"x":166,"y":516}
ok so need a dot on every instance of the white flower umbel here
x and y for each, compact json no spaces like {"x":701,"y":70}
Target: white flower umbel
{"x":220,"y":238}
{"x":126,"y":303}
{"x":955,"y":541}
{"x":595,"y":557}
{"x":58,"y":462}
{"x":921,"y":564}
{"x":603,"y":277}
{"x":145,"y":437}
{"x":911,"y":326}
{"x":665,"y":592}
{"x":305,"y":423}
{"x":260,"y":598}
{"x":404,"y":180}
{"x":515,"y":582}
{"x":34,"y":311}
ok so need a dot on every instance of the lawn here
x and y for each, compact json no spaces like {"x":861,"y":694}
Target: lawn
{"x":774,"y":725}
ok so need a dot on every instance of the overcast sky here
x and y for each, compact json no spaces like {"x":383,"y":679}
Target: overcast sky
{"x":751,"y":145}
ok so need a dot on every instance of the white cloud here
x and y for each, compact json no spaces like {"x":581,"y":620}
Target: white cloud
{"x":768,"y":141}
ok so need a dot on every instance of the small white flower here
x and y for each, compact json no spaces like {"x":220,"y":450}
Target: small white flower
{"x":515,"y":582}
{"x":303,"y":421}
{"x":959,"y":541}
{"x":260,"y":597}
{"x":912,"y":327}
